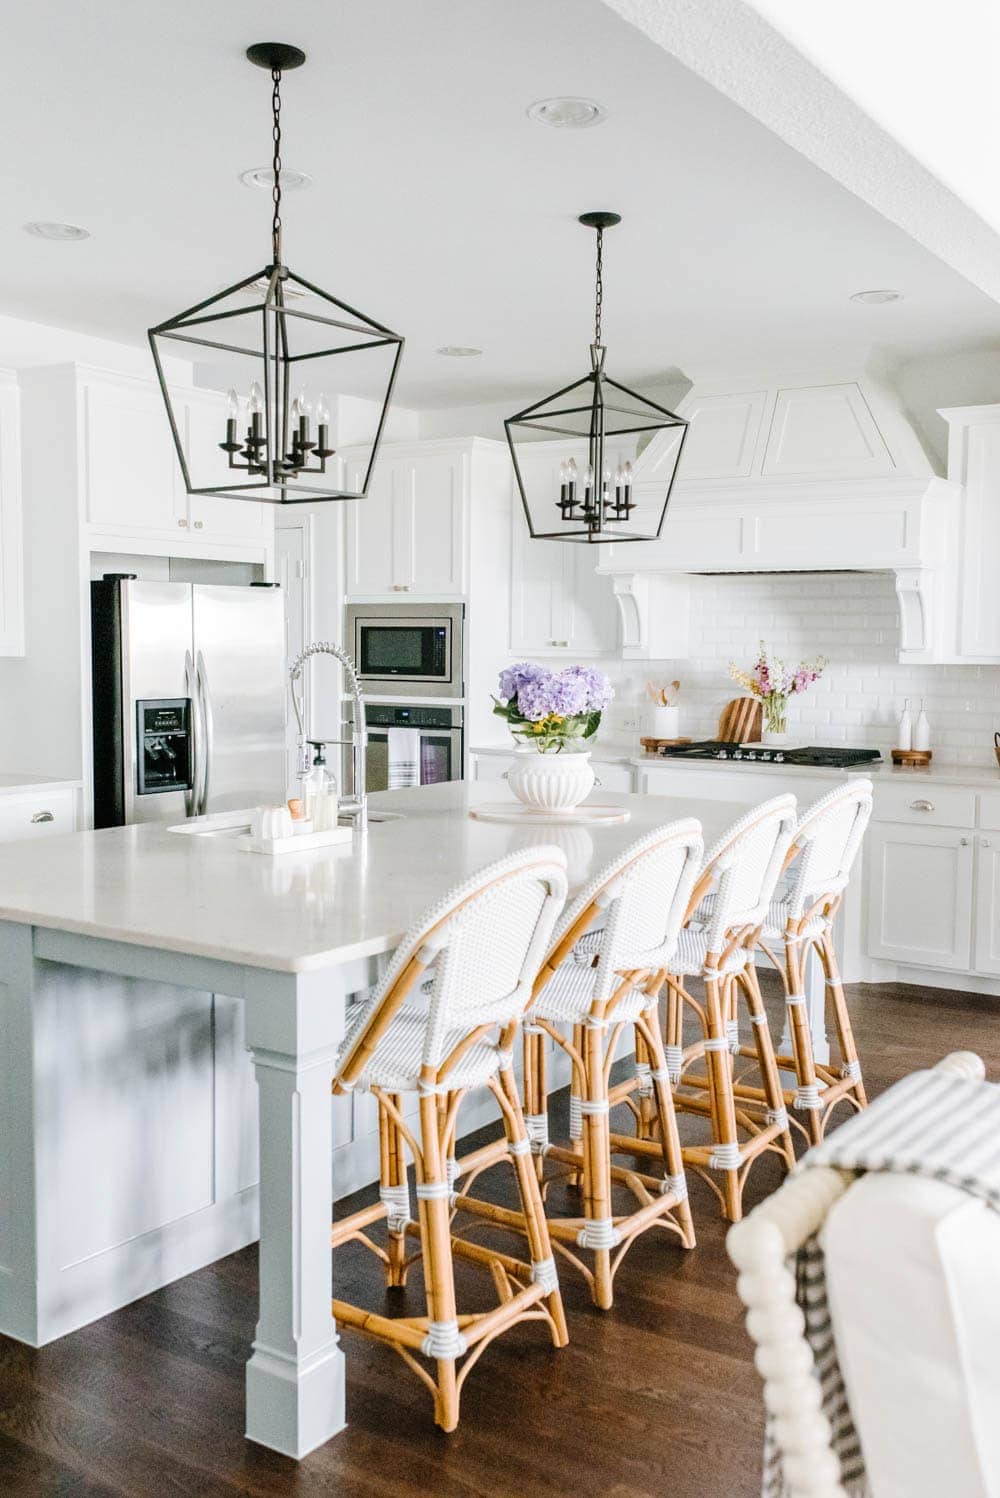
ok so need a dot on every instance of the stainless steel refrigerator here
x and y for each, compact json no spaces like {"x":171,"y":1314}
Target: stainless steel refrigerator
{"x":189,"y":699}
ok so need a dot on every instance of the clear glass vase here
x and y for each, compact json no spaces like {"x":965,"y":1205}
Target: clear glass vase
{"x":775,"y":726}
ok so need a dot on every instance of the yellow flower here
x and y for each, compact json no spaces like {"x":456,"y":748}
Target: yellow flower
{"x":555,"y":718}
{"x":538,"y":727}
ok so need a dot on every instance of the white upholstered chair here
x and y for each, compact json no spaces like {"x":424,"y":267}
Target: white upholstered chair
{"x":731,"y":901}
{"x":484,"y":942}
{"x":601,"y":977}
{"x":913,"y":1289}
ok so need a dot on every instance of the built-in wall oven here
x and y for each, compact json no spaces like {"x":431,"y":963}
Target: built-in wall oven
{"x":424,"y":747}
{"x":407,"y":649}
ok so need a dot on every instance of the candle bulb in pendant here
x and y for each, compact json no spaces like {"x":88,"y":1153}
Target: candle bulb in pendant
{"x":303,"y":407}
{"x":619,"y":481}
{"x":232,"y":412}
{"x":563,"y":488}
{"x":627,"y":486}
{"x":571,"y":481}
{"x":323,"y":450}
{"x":256,"y":409}
{"x":605,"y":487}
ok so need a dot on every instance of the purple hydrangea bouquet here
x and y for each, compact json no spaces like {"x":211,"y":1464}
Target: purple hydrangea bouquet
{"x":552,"y":710}
{"x":772,"y":682}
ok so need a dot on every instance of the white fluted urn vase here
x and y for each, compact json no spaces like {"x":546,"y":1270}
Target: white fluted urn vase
{"x":551,"y":782}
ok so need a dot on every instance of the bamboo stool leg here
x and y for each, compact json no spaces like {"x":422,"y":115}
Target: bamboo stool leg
{"x":543,"y":1266}
{"x":575,"y":1177}
{"x":719,"y":1059}
{"x":674,"y":1032}
{"x":766,"y":1063}
{"x":394,"y":1191}
{"x":645,"y":1097}
{"x":598,"y":1232}
{"x":536,"y":1102}
{"x":444,"y":1341}
{"x":850,"y":1064}
{"x":673,"y":1155}
{"x":807,"y":1098}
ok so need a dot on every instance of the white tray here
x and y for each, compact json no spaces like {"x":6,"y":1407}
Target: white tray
{"x":297,"y":843}
{"x":580,"y":816}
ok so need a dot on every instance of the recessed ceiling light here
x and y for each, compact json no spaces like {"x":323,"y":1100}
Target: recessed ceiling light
{"x":568,"y":114}
{"x":263,"y":176}
{"x":64,"y":233}
{"x":459,"y":351}
{"x":876,"y":298}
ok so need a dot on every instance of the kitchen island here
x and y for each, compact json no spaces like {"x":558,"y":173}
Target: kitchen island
{"x":137,"y":968}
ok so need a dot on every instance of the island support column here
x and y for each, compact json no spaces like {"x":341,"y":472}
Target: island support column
{"x":295,"y":1377}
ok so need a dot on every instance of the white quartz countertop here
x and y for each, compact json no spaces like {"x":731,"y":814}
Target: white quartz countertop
{"x":599,"y":754}
{"x":150,"y":887}
{"x":11,"y":784}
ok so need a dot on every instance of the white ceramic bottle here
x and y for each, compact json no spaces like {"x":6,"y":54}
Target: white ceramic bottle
{"x":922,"y":731}
{"x":904,"y":733}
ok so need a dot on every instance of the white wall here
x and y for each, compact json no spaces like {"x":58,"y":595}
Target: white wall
{"x":852,"y":619}
{"x":24,"y":345}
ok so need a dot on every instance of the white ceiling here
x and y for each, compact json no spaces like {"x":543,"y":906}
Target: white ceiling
{"x":438,"y":207}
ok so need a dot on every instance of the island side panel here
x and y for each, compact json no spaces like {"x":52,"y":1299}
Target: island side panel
{"x":133,"y":1146}
{"x":18,"y":1303}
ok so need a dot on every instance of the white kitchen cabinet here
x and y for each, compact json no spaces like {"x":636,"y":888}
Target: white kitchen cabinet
{"x":610,"y":776}
{"x":408,"y":536}
{"x":37,"y":812}
{"x":920,"y":895}
{"x":11,"y":553}
{"x":974,"y":462}
{"x":131,"y":484}
{"x":986,"y":947}
{"x":558,"y":604}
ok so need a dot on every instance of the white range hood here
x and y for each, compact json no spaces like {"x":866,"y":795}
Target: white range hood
{"x":790,"y":474}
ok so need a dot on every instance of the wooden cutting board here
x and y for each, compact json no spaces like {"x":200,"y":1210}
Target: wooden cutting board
{"x":740,"y":722}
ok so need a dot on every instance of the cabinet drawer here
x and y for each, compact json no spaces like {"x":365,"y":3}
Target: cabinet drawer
{"x":612,"y":777}
{"x":37,"y":815}
{"x":925,"y":806}
{"x":989,"y":811}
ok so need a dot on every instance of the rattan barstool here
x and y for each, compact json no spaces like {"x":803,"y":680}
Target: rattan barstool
{"x":729,"y":906}
{"x":595,"y":983}
{"x":483,"y":944}
{"x":826,"y":842}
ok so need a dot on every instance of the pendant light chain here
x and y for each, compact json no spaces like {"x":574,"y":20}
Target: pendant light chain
{"x":276,"y":164}
{"x":599,"y":292}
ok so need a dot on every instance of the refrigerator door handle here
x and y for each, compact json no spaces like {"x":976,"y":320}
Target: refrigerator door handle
{"x":208,"y":723}
{"x":191,"y":690}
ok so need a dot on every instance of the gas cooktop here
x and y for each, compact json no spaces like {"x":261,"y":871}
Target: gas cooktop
{"x":838,"y":759}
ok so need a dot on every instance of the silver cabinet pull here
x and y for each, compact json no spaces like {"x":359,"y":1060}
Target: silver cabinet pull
{"x":199,"y":525}
{"x":182,"y":524}
{"x":986,"y":842}
{"x":921,"y":805}
{"x":43,"y":816}
{"x":963,"y":842}
{"x":559,"y":643}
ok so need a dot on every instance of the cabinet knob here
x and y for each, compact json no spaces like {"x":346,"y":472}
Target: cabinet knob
{"x":199,"y":525}
{"x":43,"y":816}
{"x":986,"y":842}
{"x":921,"y":805}
{"x":182,"y":524}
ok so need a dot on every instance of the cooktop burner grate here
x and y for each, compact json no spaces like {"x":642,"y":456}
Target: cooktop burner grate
{"x":819,"y":755}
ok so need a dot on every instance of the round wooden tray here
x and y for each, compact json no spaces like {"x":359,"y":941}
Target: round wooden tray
{"x":580,"y":816}
{"x":915,"y":758}
{"x":651,"y":745}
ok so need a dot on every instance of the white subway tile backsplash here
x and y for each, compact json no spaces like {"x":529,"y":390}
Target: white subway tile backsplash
{"x":850,"y":618}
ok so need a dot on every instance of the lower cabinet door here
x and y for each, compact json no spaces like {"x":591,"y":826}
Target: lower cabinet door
{"x":986,"y":956}
{"x":920,"y":895}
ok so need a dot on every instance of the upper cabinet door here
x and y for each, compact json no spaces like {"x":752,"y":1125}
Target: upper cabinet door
{"x":409,"y":535}
{"x":11,"y":555}
{"x":132,"y":482}
{"x":434,"y":549}
{"x":374,"y":527}
{"x":559,"y":605}
{"x":210,"y":514}
{"x":979,"y":605}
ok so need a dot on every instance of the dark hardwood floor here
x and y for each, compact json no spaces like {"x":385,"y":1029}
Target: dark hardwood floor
{"x":658,"y":1396}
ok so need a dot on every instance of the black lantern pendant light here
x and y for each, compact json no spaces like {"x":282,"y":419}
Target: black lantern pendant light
{"x":584,"y":488}
{"x":284,"y":337}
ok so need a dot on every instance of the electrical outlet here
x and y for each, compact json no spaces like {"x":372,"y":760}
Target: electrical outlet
{"x":631,"y":720}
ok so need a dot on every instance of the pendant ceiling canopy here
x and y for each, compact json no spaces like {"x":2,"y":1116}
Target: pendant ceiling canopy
{"x":292,"y":352}
{"x":580,"y":484}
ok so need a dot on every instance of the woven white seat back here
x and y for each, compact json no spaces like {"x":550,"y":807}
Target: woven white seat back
{"x":644,"y":894}
{"x":747,"y":863}
{"x":486,"y":939}
{"x":828,"y":836}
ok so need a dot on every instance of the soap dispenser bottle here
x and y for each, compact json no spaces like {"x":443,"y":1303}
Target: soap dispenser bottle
{"x":319,"y":792}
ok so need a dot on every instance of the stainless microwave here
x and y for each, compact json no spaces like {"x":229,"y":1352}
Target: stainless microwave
{"x":407,"y":649}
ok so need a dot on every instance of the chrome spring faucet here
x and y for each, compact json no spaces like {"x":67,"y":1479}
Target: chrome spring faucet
{"x":356,"y":805}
